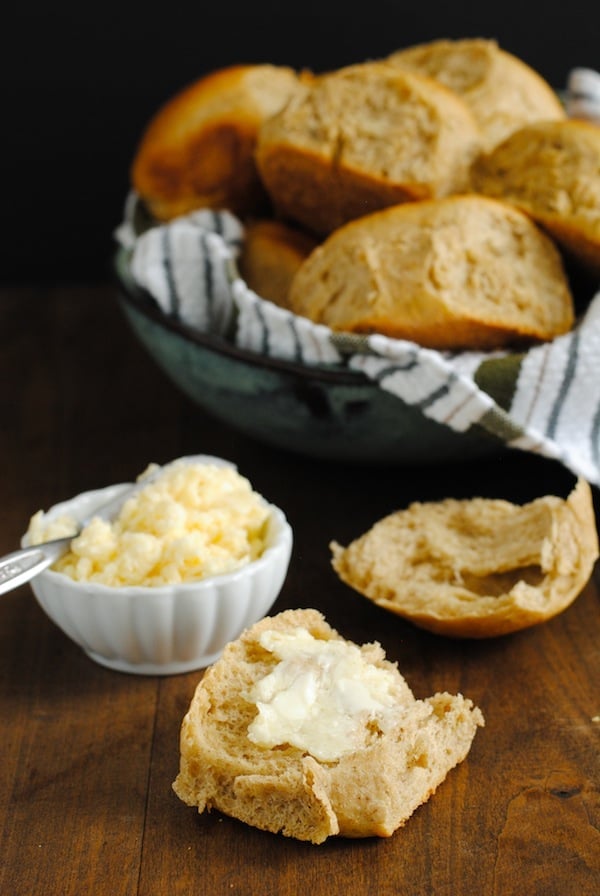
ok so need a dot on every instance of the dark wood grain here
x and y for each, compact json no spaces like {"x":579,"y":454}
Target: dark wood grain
{"x":88,"y":755}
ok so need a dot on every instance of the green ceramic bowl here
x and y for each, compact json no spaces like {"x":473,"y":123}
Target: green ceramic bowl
{"x":322,"y":412}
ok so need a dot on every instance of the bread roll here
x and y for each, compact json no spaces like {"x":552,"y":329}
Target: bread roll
{"x":461,"y":272}
{"x":502,"y":92}
{"x":198,"y":150}
{"x":476,"y":568}
{"x":384,"y":760}
{"x":551,"y":171}
{"x":363,"y":138}
{"x":270,"y":257}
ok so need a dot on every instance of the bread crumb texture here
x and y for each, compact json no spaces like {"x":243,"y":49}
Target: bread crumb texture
{"x":464,"y":271}
{"x":363,"y":138}
{"x":476,"y":568}
{"x":502,"y":92}
{"x":402,"y":750}
{"x":551,"y":171}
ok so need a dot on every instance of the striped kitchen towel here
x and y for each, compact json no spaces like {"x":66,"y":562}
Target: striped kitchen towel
{"x":582,"y":96}
{"x":544,"y":400}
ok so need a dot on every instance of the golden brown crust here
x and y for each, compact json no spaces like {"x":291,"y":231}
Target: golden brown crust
{"x":363,"y":138}
{"x":551,"y":171}
{"x":198,"y":150}
{"x":477,"y":568}
{"x":460,"y":272}
{"x":270,"y":257}
{"x":502,"y":91}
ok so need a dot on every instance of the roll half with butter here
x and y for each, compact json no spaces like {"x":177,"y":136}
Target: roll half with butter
{"x":297,"y":731}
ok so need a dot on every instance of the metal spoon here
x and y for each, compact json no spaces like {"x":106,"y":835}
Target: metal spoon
{"x":20,"y":566}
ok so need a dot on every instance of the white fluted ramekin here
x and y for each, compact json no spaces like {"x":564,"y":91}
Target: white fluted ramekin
{"x":169,"y":629}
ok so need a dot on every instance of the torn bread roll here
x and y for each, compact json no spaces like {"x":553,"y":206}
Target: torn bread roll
{"x":363,"y":138}
{"x":460,"y":272}
{"x":502,"y":91}
{"x":297,"y":731}
{"x":476,"y":568}
{"x":551,"y":171}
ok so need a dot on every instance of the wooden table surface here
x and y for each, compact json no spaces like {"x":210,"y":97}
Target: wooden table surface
{"x":89,"y":755}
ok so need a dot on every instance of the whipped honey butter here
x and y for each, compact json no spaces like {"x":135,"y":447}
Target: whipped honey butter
{"x":320,"y":697}
{"x":191,"y":522}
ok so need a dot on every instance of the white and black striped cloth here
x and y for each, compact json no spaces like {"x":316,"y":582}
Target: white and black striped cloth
{"x":189,"y":267}
{"x":582,"y":96}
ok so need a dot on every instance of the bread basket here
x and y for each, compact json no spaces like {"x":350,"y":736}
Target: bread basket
{"x":326,"y":411}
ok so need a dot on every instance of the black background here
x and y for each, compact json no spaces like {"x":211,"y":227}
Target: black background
{"x":81,"y":81}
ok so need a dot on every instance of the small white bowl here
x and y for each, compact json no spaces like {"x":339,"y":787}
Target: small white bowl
{"x":169,"y":629}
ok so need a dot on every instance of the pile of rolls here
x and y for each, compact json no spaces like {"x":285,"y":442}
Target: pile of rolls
{"x":434,"y":195}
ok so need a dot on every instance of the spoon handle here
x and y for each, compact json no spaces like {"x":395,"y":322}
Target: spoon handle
{"x":21,"y":566}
